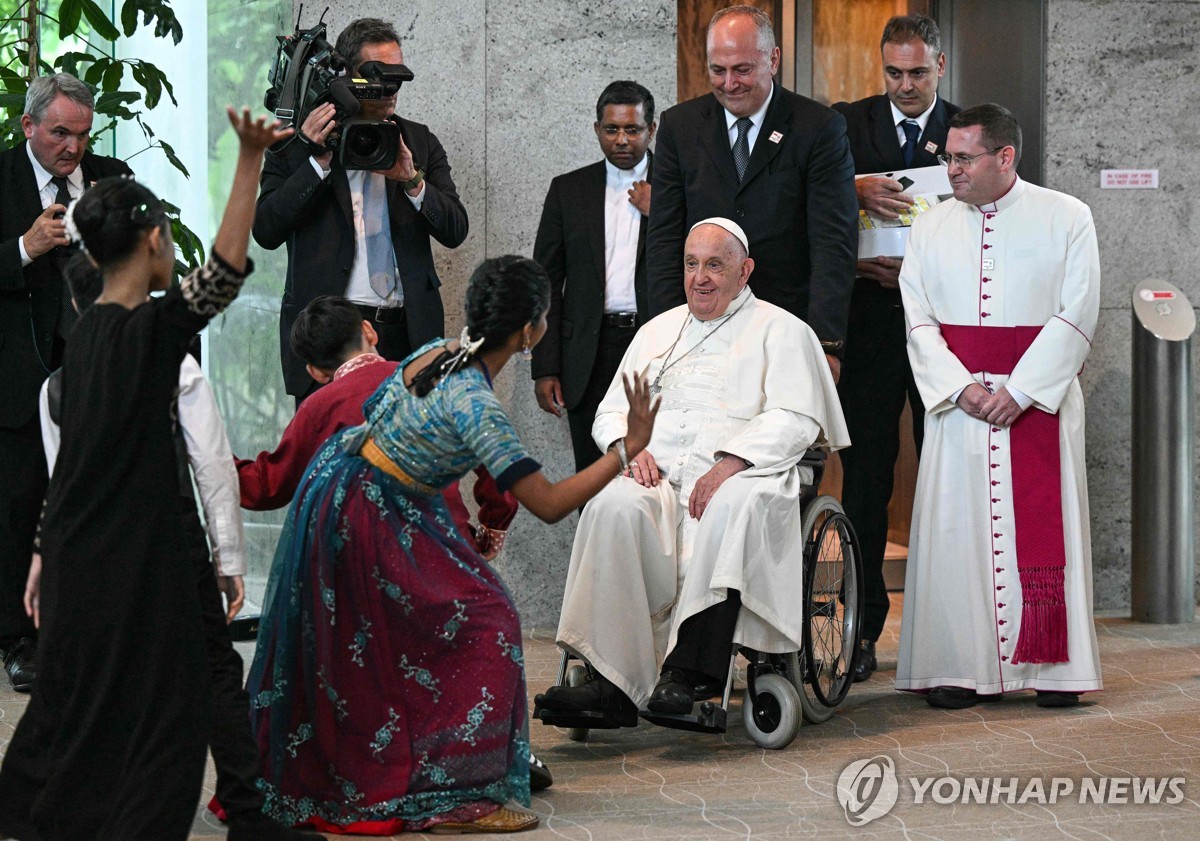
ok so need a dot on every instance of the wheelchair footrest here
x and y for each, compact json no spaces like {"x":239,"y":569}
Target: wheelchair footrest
{"x":709,"y":718}
{"x":568,"y":718}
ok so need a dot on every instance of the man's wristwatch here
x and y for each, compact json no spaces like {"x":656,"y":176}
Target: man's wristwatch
{"x":415,"y":181}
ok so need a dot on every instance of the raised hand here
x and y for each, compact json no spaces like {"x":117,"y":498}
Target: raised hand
{"x":642,"y":410}
{"x":255,"y":135}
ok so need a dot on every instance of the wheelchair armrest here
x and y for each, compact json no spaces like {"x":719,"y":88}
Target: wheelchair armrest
{"x":814,"y":459}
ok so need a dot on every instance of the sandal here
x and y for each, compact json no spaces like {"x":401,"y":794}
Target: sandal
{"x":510,"y":818}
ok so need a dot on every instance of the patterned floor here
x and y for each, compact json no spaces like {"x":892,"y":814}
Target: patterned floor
{"x":651,"y":783}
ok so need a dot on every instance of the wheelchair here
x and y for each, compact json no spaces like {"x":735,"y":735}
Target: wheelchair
{"x":782,"y":690}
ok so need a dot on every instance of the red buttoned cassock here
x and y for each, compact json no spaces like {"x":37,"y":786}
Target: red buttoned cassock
{"x":998,"y":594}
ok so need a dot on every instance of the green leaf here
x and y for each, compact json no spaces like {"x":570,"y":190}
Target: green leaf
{"x":14,"y":82}
{"x":96,"y":72}
{"x":112,"y":76}
{"x":101,"y":25}
{"x":69,"y":14}
{"x":113,"y":104}
{"x":69,"y":61}
{"x":129,"y":18}
{"x":173,"y":158}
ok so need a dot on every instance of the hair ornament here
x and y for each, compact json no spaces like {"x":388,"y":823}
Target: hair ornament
{"x":69,"y":221}
{"x":464,"y":340}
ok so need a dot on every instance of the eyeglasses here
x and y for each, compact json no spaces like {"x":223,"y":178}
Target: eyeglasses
{"x":630,"y":131}
{"x":964,"y":161}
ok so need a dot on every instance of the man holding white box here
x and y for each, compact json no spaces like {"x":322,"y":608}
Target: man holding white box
{"x":904,"y":129}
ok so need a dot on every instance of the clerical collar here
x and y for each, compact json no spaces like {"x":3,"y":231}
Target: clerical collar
{"x":354,"y":363}
{"x":617,"y":175}
{"x":757,"y":117}
{"x":42,"y":176}
{"x":1005,"y":201}
{"x":922,"y":119}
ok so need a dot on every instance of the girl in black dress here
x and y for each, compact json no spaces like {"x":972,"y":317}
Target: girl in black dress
{"x":112,"y":744}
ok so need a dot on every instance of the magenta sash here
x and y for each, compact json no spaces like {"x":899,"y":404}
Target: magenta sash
{"x":1036,"y":494}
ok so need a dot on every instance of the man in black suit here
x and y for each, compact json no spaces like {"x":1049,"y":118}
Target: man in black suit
{"x":361,"y":235}
{"x":39,"y":177}
{"x":776,"y":163}
{"x":592,"y":243}
{"x":903,"y":129}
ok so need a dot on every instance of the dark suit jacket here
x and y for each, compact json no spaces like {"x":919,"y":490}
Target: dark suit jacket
{"x":797,"y":205}
{"x":571,"y":247}
{"x":30,"y":297}
{"x":873,"y":139}
{"x":315,"y":218}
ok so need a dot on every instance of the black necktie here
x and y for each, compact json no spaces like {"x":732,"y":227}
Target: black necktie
{"x":741,"y":146}
{"x":911,"y":132}
{"x":62,"y":255}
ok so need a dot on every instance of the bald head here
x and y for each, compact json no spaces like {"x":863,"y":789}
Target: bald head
{"x":742,"y":59}
{"x":715,"y":270}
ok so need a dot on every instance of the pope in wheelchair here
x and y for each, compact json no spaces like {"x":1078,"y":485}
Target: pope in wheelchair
{"x":694,"y":552}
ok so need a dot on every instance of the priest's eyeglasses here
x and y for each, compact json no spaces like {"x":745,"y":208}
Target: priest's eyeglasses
{"x":964,"y":161}
{"x":630,"y":131}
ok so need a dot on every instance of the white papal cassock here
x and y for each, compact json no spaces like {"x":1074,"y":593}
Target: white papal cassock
{"x":999,"y":584}
{"x":756,"y":386}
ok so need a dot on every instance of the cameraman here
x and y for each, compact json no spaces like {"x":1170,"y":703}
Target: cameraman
{"x":333,"y":219}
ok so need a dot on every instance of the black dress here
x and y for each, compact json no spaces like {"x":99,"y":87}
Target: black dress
{"x":112,"y":744}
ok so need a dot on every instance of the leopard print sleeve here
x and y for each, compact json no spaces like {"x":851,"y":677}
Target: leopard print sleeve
{"x":209,"y":289}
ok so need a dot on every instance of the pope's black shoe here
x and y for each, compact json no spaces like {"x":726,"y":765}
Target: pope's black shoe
{"x":539,"y":775}
{"x":19,"y":663}
{"x":596,"y":694}
{"x":673,"y":694}
{"x":867,"y":664}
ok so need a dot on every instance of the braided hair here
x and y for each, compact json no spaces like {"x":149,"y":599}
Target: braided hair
{"x":503,"y":295}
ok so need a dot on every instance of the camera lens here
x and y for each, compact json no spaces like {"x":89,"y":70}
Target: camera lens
{"x":364,"y":143}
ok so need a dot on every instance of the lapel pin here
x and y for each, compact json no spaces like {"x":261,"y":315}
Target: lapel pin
{"x":775,"y":137}
{"x":931,"y":147}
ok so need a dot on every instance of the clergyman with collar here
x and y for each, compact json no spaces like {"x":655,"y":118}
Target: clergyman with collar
{"x":592,"y":243}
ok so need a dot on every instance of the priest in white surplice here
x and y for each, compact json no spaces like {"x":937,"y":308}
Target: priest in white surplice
{"x":698,"y":545}
{"x":1001,"y":289}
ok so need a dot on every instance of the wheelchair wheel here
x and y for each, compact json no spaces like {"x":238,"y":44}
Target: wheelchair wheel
{"x":575,"y":677}
{"x":791,"y":666}
{"x":832,"y":601}
{"x":773,"y":718}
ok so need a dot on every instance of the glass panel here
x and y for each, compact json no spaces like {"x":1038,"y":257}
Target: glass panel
{"x":242,"y":352}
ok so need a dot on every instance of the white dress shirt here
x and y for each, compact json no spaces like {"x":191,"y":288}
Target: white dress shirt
{"x":622,"y":226}
{"x":922,"y":120}
{"x":47,"y":192}
{"x":211,"y":459}
{"x":358,"y":289}
{"x":756,"y":121}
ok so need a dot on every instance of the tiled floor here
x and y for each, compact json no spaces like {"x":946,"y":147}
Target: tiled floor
{"x":651,"y":783}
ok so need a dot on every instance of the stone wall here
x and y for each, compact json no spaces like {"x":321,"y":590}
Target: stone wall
{"x":1122,"y":92}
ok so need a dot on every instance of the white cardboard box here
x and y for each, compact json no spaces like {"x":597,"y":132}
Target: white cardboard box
{"x":888,"y":237}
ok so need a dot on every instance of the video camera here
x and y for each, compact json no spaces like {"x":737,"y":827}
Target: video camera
{"x":308,"y":72}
